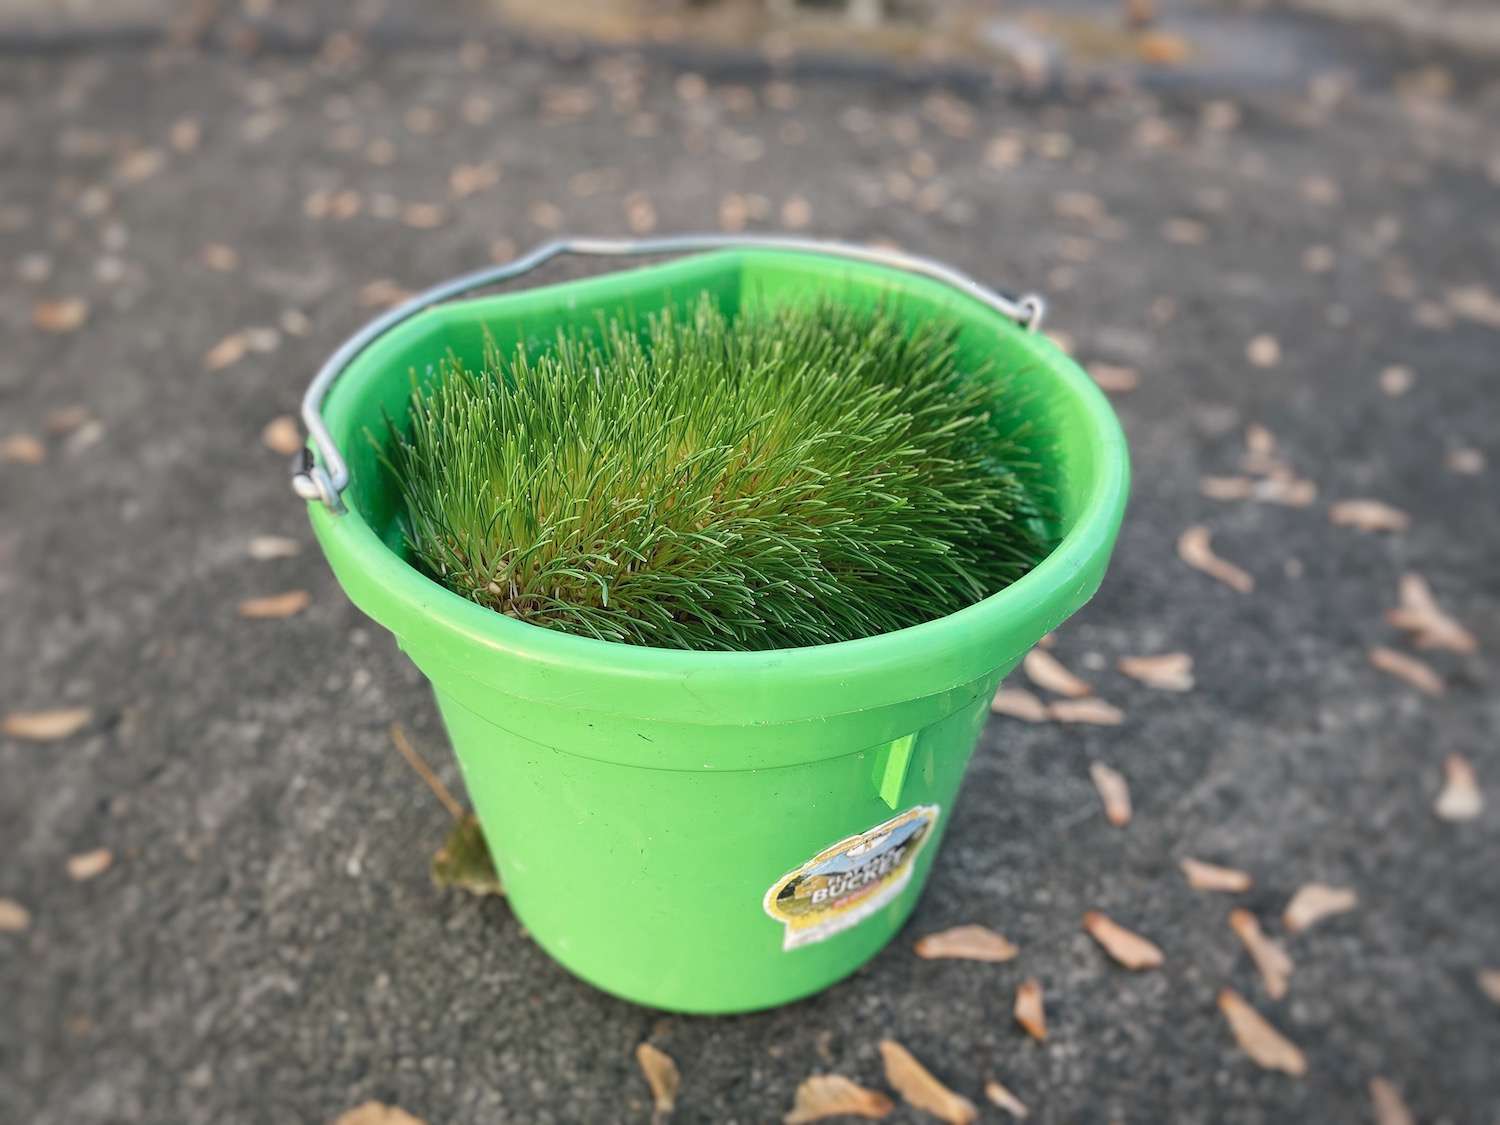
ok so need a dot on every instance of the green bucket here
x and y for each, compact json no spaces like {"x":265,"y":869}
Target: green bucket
{"x":707,"y":831}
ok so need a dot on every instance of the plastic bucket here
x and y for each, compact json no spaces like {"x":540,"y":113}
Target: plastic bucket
{"x":714,"y":832}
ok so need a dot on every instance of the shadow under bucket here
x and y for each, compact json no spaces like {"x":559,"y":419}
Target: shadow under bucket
{"x":714,"y":831}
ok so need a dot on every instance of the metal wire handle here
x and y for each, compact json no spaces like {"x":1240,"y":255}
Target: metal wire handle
{"x":327,"y":480}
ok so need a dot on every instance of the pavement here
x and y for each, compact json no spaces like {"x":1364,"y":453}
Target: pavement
{"x":266,"y":944}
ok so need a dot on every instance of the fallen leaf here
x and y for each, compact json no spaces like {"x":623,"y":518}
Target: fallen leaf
{"x":1093,"y":711}
{"x":1194,"y":547}
{"x":1226,"y":488}
{"x":832,"y":1095}
{"x":22,"y":449}
{"x":1046,"y":671}
{"x":1171,"y":671}
{"x":464,"y":861}
{"x":273,"y":606}
{"x":1368,"y":515}
{"x":227,"y":352}
{"x":1114,"y":793}
{"x":1475,"y":302}
{"x":1113,"y":378}
{"x":46,"y":726}
{"x":1420,"y":615}
{"x":264,"y":547}
{"x":13,"y":916}
{"x":1282,"y":487}
{"x":377,"y":1113}
{"x":663,"y":1078}
{"x":1019,"y":704}
{"x":64,"y":315}
{"x":1263,"y":351}
{"x":1211,"y":877}
{"x":282,"y":435}
{"x":1029,"y":1011}
{"x":1314,"y":902}
{"x":1007,"y":1101}
{"x":1125,"y":946}
{"x":423,"y":216}
{"x":382,"y":293}
{"x":1257,"y":1038}
{"x":1271,"y":960}
{"x":140,"y":165}
{"x":88,"y":865}
{"x":1460,"y":798}
{"x":220,"y":257}
{"x":914,"y":1083}
{"x":1396,"y":380}
{"x":1467,"y":462}
{"x":1162,"y":48}
{"x":969,"y":943}
{"x":1408,"y":668}
{"x":1489,"y":983}
{"x":1389,"y":1106}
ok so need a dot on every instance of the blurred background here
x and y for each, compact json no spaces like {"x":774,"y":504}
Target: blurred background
{"x":1268,"y":229}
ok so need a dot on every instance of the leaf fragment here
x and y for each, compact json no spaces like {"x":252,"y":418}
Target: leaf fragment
{"x":1128,"y":948}
{"x":917,"y":1085}
{"x":46,"y":726}
{"x":274,"y":606}
{"x":1257,"y":1038}
{"x":1018,"y":703}
{"x":66,"y":314}
{"x":464,"y":861}
{"x":663,"y":1078}
{"x":1489,"y":983}
{"x":1029,"y":1010}
{"x":1000,"y":1096}
{"x":832,"y":1095}
{"x":1420,"y":615}
{"x":1114,"y":793}
{"x":1211,"y":877}
{"x":281,"y":435}
{"x":1114,"y":378}
{"x":89,"y":865}
{"x":264,"y":547}
{"x":1368,"y":515}
{"x":968,"y":943}
{"x":1314,"y":902}
{"x":1048,"y":673}
{"x":14,"y":917}
{"x":1389,"y":1106}
{"x":1093,"y":711}
{"x":1271,"y":960}
{"x":227,"y":352}
{"x":1408,"y":669}
{"x":1263,"y":351}
{"x":1460,"y":798}
{"x":1170,"y":671}
{"x":377,"y":1113}
{"x":1194,"y":547}
{"x":22,"y":449}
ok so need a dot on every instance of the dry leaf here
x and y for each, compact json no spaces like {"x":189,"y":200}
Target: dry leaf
{"x":1408,"y":668}
{"x":423,"y":216}
{"x":661,"y":1075}
{"x":220,"y":257}
{"x":1007,"y":1101}
{"x":1093,"y":711}
{"x":832,"y":1095}
{"x":1111,"y":377}
{"x":281,"y":435}
{"x":1389,"y":1106}
{"x":1368,"y":515}
{"x":88,"y":865}
{"x":1162,"y":48}
{"x":1396,"y":380}
{"x":22,"y":449}
{"x":1046,"y":671}
{"x":1477,"y":303}
{"x":64,"y":315}
{"x":230,"y":350}
{"x":1271,"y":960}
{"x":1420,"y":615}
{"x":1019,"y":704}
{"x":1467,"y":461}
{"x":272,"y":606}
{"x":377,"y":1113}
{"x":464,"y":861}
{"x":1314,"y":902}
{"x":13,"y":916}
{"x":913,"y":1082}
{"x":1259,"y":1039}
{"x":1489,"y":983}
{"x":382,"y":293}
{"x":1114,"y":792}
{"x":1226,"y":488}
{"x":264,"y":547}
{"x":1211,"y":877}
{"x":1194,"y":547}
{"x":46,"y":726}
{"x":1029,"y":1011}
{"x":969,"y":943}
{"x":1126,"y":947}
{"x":1171,"y":671}
{"x":1263,"y":351}
{"x":1460,"y":798}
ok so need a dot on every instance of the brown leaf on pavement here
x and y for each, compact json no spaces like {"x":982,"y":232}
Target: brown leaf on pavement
{"x":275,"y":606}
{"x":1170,"y":671}
{"x":1125,"y":946}
{"x":1007,"y":1101}
{"x":377,"y":1113}
{"x":1466,"y":461}
{"x":46,"y":726}
{"x":970,"y":943}
{"x":1114,"y":378}
{"x":1271,"y":960}
{"x":1114,"y":793}
{"x":13,"y":916}
{"x":264,"y":547}
{"x":228,"y":351}
{"x":89,"y":865}
{"x":1475,"y":302}
{"x":1389,"y":1106}
{"x":1408,"y":669}
{"x":1018,"y":703}
{"x":1368,"y":515}
{"x":1257,"y":1038}
{"x":1048,"y":673}
{"x":22,"y":449}
{"x":1460,"y":798}
{"x":663,"y":1078}
{"x":1314,"y":902}
{"x":1489,"y":983}
{"x":282,"y":435}
{"x":67,"y":314}
{"x":1092,"y":710}
{"x":832,"y":1095}
{"x":1029,"y":1010}
{"x":1421,"y":616}
{"x":920,"y":1089}
{"x":1194,"y":547}
{"x":1211,"y":877}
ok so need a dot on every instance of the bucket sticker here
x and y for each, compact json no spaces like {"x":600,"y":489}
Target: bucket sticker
{"x":846,"y":883}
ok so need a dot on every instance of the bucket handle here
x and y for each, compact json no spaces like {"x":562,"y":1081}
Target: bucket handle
{"x":327,"y":480}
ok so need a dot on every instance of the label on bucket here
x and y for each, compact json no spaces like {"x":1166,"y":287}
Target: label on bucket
{"x":846,"y":883}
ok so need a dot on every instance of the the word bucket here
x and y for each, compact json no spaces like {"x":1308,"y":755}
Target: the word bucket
{"x":708,"y":831}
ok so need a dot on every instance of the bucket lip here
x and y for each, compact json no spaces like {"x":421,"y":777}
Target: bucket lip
{"x":1045,"y":595}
